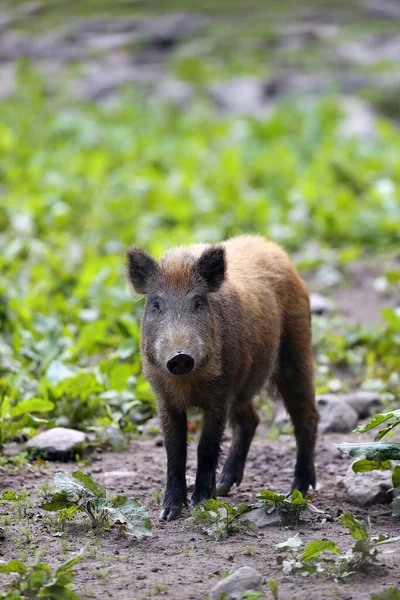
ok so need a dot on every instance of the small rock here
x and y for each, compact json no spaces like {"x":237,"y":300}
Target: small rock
{"x":174,"y":91}
{"x":115,"y":477}
{"x":241,"y":95}
{"x":7,"y":80}
{"x":244,"y":579}
{"x":368,"y":488}
{"x":335,"y":414}
{"x":281,"y":415}
{"x":359,"y":119}
{"x":115,"y":438}
{"x":363,"y":402}
{"x":320,"y":305}
{"x":261,"y":518}
{"x":58,"y":443}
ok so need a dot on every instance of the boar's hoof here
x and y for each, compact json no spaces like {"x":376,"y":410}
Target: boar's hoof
{"x":225,"y":482}
{"x":170,"y":512}
{"x":303,"y":482}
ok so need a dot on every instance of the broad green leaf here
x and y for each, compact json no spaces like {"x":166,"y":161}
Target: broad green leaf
{"x":375,"y":421}
{"x":373,"y":451}
{"x":31,"y":405}
{"x":297,"y":498}
{"x":132,"y":514}
{"x":271,"y":496}
{"x":59,"y":501}
{"x":314,"y":549}
{"x":357,"y":528}
{"x":364,"y":465}
{"x":58,"y":592}
{"x":64,"y":484}
{"x":13,"y":566}
{"x":89,"y":483}
{"x":58,"y":371}
{"x":11,"y":495}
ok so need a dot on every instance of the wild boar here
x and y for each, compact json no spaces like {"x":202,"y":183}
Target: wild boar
{"x":220,"y":320}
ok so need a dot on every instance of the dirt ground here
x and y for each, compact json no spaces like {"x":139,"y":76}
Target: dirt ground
{"x":177,"y":561}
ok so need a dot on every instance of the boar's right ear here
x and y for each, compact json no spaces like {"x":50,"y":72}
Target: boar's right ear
{"x":211,"y":266}
{"x":141,"y":268}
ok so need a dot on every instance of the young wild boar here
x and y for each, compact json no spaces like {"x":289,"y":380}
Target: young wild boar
{"x":221,"y":319}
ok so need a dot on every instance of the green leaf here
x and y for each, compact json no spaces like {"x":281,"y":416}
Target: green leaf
{"x":89,"y":483}
{"x":13,"y":566}
{"x":357,"y":529}
{"x":373,"y":451}
{"x":314,"y":549}
{"x":132,"y":514}
{"x":396,"y":477}
{"x":273,"y":586}
{"x":391,"y":593}
{"x":271,"y":496}
{"x":11,"y":495}
{"x":59,"y":501}
{"x":68,"y":564}
{"x":31,"y":405}
{"x":364,"y":465}
{"x":63,"y":483}
{"x":374,"y":422}
{"x":297,"y":498}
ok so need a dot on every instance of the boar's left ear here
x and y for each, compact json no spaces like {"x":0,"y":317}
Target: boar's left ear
{"x":211,"y":266}
{"x":141,"y":268}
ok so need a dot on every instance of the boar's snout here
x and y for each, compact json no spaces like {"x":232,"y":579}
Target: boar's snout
{"x":180,"y":364}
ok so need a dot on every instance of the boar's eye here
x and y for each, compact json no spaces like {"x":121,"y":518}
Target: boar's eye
{"x":155,"y":305}
{"x":199,"y":303}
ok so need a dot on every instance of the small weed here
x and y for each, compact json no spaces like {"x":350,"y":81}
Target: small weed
{"x":91,"y":500}
{"x":288,"y":508}
{"x":250,"y":551}
{"x":310,"y":560}
{"x":220,"y":519}
{"x":160,"y":589}
{"x":38,"y":580}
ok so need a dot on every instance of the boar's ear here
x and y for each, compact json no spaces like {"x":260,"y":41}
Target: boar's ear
{"x":211,"y":266}
{"x":141,"y":268}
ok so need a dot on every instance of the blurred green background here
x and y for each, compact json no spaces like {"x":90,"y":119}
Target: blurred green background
{"x":188,"y":122}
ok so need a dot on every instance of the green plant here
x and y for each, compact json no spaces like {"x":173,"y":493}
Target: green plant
{"x":312,"y":559}
{"x":377,"y":455}
{"x":220,"y":519}
{"x":92,"y":501}
{"x":391,"y":593}
{"x":38,"y":581}
{"x":289,"y":508}
{"x":18,"y":417}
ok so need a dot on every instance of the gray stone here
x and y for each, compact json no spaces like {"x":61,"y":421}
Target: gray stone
{"x":175,"y":91}
{"x":368,"y":488}
{"x":241,"y":95}
{"x":170,"y":29}
{"x":244,"y":579}
{"x":261,"y":518}
{"x":58,"y":443}
{"x":102,"y":79}
{"x":320,"y":305}
{"x":7,"y":80}
{"x":359,"y":120}
{"x":111,"y":478}
{"x":335,"y":414}
{"x":364,"y":402}
{"x":281,"y":415}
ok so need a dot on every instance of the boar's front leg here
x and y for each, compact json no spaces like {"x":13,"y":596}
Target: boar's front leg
{"x":174,"y":425}
{"x":208,"y":454}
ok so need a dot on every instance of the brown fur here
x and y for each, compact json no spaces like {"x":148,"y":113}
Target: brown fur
{"x":260,"y":330}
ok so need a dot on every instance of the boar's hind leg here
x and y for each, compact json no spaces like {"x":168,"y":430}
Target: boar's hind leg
{"x":295,"y":384}
{"x":174,"y":425}
{"x":244,"y":420}
{"x":208,"y":453}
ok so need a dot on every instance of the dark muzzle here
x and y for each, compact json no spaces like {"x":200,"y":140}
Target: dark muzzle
{"x":180,"y":364}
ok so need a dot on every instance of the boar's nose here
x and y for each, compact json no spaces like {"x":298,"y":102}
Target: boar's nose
{"x":180,"y":364}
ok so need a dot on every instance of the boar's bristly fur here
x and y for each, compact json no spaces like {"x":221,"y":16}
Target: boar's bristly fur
{"x":220,"y":320}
